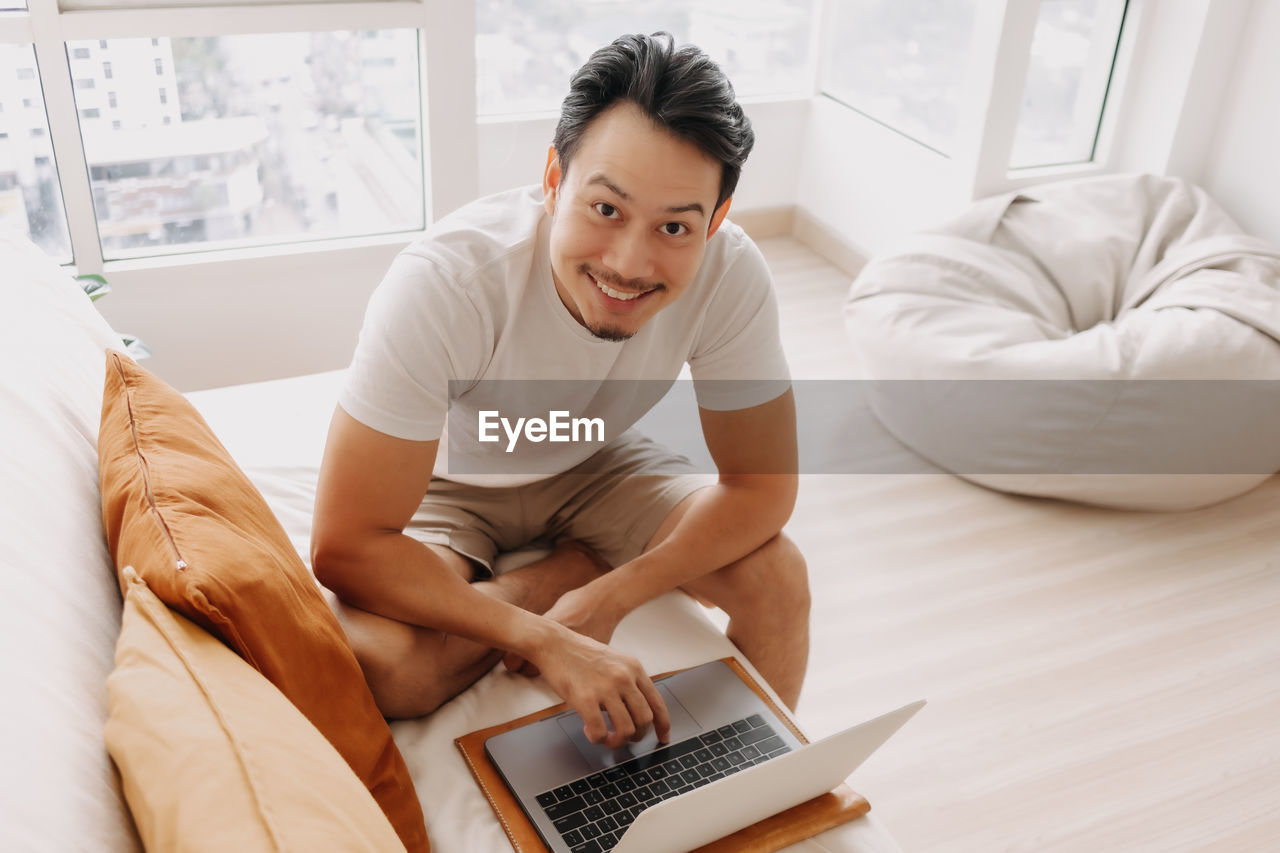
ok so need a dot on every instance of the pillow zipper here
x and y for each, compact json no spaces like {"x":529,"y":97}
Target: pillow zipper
{"x":179,"y":563}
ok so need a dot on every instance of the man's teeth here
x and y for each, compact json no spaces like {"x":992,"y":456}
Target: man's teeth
{"x":616,"y":294}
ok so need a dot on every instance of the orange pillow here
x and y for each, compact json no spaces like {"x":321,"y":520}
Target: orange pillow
{"x":179,"y":510}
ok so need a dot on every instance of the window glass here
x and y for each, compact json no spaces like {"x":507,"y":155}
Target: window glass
{"x":250,"y":139}
{"x":30,"y":195}
{"x":526,"y":52}
{"x":1072,"y":55}
{"x":900,"y":62}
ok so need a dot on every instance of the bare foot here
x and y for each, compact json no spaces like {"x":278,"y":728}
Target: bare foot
{"x":535,"y":587}
{"x":569,"y":550}
{"x":570,"y":565}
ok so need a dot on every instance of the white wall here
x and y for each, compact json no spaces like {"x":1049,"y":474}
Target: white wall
{"x":1241,"y":168}
{"x":1185,"y":45}
{"x":868,"y":183}
{"x":283,"y":313}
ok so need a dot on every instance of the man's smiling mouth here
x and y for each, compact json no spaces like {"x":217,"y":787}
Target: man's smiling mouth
{"x":617,"y":294}
{"x":620,"y":295}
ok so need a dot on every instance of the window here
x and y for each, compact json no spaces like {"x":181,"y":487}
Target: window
{"x":80,"y":53}
{"x":85,"y":83}
{"x":159,"y":65}
{"x":30,"y":193}
{"x":26,"y":73}
{"x":89,"y":113}
{"x":266,"y":138}
{"x":106,"y":71}
{"x":905,"y":64}
{"x":111,"y":99}
{"x":102,"y":43}
{"x":901,"y":62}
{"x":1072,"y":55}
{"x":525,"y":52}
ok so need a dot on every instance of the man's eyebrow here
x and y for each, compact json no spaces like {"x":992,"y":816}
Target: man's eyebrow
{"x":621,"y":193}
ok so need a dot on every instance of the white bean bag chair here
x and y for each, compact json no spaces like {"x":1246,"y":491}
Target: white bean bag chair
{"x":1129,"y":333}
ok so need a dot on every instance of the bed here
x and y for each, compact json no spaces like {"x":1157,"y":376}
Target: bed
{"x":62,"y":601}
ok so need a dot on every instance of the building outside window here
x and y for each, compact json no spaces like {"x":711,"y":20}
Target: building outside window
{"x":257,"y":139}
{"x":30,"y":193}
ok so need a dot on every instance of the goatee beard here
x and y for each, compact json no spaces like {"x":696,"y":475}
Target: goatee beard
{"x":610,"y":333}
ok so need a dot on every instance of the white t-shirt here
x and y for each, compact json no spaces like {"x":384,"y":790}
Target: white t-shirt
{"x":473,"y":301}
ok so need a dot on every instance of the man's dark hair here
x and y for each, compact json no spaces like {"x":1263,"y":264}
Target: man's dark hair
{"x":680,"y":90}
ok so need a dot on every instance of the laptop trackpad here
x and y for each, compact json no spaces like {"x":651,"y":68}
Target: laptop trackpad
{"x":683,"y":725}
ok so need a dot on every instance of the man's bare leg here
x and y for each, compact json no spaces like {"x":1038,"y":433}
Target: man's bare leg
{"x":413,"y":670}
{"x":766,"y":595}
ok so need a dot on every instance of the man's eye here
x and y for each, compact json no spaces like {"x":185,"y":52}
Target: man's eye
{"x":675,"y":229}
{"x":606,"y":210}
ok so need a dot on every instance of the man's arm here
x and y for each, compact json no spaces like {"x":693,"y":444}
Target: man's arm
{"x":755,"y":453}
{"x":370,"y":486}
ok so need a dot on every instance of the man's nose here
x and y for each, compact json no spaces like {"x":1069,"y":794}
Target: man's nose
{"x":629,"y":255}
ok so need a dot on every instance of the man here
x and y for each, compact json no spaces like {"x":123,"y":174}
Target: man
{"x":620,"y":268}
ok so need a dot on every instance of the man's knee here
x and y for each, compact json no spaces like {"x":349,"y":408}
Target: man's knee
{"x":389,"y":656}
{"x":774,"y":578}
{"x":784,"y":571}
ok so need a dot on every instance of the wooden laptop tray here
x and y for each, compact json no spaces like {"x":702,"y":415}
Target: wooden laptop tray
{"x":773,"y":833}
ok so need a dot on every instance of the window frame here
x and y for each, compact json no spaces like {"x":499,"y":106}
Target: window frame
{"x":449,"y":159}
{"x":1156,"y":118}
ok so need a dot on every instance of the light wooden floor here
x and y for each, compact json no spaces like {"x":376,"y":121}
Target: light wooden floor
{"x":1097,"y":680}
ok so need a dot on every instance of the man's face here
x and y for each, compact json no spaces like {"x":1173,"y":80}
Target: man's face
{"x":630,"y":221}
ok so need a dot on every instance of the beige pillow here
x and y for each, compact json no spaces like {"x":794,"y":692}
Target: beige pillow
{"x":213,"y":756}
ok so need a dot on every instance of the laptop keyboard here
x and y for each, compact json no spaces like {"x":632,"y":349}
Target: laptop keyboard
{"x":591,"y":813}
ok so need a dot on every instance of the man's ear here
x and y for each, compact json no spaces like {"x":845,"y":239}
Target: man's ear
{"x":551,"y":180}
{"x":718,"y":217}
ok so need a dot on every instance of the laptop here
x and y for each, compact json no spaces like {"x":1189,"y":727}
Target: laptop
{"x":730,"y":761}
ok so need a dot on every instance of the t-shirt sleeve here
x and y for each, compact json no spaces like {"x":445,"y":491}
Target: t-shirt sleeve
{"x":420,"y":331}
{"x":737,"y":361}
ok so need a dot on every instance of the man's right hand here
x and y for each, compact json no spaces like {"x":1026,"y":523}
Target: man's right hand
{"x":594,"y":679}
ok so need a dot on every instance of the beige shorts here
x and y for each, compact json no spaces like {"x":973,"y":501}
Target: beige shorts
{"x":614,"y":502}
